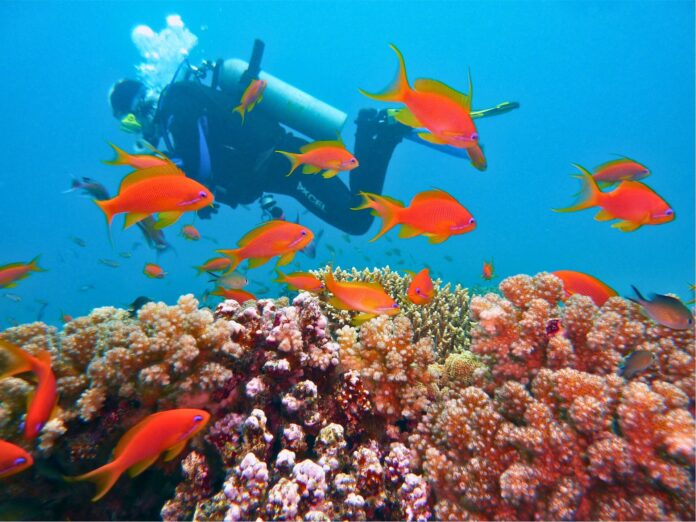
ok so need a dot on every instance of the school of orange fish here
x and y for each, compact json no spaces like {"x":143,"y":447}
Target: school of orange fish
{"x":443,"y":116}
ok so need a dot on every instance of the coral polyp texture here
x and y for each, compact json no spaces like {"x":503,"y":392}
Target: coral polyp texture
{"x":514,"y":410}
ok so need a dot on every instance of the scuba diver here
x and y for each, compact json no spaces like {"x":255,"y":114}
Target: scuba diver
{"x":236,"y":158}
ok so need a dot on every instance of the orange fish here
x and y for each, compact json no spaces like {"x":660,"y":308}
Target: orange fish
{"x":142,"y":445}
{"x":214,"y":264}
{"x":138,"y":161}
{"x":270,"y":239}
{"x":13,"y":459}
{"x":330,"y":156}
{"x":634,"y":203}
{"x":421,"y":290}
{"x":237,"y":294}
{"x":431,"y":104}
{"x":433,"y":213}
{"x":487,"y":272}
{"x":585,"y":284}
{"x":368,"y":298}
{"x":43,"y":404}
{"x":300,"y":281}
{"x":621,"y":169}
{"x":154,"y":271}
{"x":252,"y":95}
{"x":190,"y":232}
{"x":164,"y":189}
{"x":13,"y":272}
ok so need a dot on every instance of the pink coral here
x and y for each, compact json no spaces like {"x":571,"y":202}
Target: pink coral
{"x":391,"y":366}
{"x":554,"y":425}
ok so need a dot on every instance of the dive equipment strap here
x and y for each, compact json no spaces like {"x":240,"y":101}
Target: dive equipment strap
{"x":501,"y":108}
{"x":252,"y":72}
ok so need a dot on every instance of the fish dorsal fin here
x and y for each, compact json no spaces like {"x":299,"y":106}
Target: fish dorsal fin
{"x":319,"y":144}
{"x":432,"y":194}
{"x":139,"y":175}
{"x":130,"y":434}
{"x":368,"y":285}
{"x":436,"y":87}
{"x":256,"y":232}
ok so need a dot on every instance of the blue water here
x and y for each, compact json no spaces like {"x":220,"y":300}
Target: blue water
{"x":592,"y":78}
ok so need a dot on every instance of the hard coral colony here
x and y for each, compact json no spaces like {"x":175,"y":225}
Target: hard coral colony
{"x":312,"y":418}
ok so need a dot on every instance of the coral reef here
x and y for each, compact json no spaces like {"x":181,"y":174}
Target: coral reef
{"x":552,"y":432}
{"x":513,"y":411}
{"x":445,"y":319}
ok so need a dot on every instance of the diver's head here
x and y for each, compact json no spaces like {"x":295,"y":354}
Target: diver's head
{"x":131,"y":105}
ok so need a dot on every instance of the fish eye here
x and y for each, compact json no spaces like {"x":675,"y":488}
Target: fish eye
{"x":669,"y":212}
{"x":19,"y":460}
{"x":418,"y":291}
{"x":474,"y":136}
{"x":304,"y":232}
{"x":353,"y":160}
{"x":472,"y":221}
{"x":395,"y":305}
{"x":198,"y":418}
{"x":202,"y":194}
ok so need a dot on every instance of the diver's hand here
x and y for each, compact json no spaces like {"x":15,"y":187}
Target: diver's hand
{"x":207,"y":212}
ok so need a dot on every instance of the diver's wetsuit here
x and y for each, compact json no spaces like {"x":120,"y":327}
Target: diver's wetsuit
{"x":242,"y":161}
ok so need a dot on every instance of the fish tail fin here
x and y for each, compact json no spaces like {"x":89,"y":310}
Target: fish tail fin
{"x":638,"y":294}
{"x":397,"y":89}
{"x":589,"y":195}
{"x":282,"y":278}
{"x":104,"y":478}
{"x":107,"y":207}
{"x":294,"y":159}
{"x":19,"y":360}
{"x":239,"y":109}
{"x":234,"y":258}
{"x":329,"y":280}
{"x":385,"y":208}
{"x":121,"y":156}
{"x":74,"y":185}
{"x":33,"y":265}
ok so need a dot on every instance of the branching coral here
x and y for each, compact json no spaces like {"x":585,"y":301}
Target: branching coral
{"x":393,"y":368}
{"x":445,"y":320}
{"x":552,"y":428}
{"x":317,"y":420}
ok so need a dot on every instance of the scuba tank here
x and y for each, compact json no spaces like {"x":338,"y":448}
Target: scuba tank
{"x":287,"y":104}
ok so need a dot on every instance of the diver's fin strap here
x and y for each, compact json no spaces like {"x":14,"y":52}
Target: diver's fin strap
{"x":501,"y":108}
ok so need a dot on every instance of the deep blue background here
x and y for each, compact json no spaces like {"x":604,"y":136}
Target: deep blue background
{"x":592,"y":78}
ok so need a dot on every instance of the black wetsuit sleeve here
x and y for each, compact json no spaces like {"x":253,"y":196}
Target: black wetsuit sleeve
{"x":192,"y":113}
